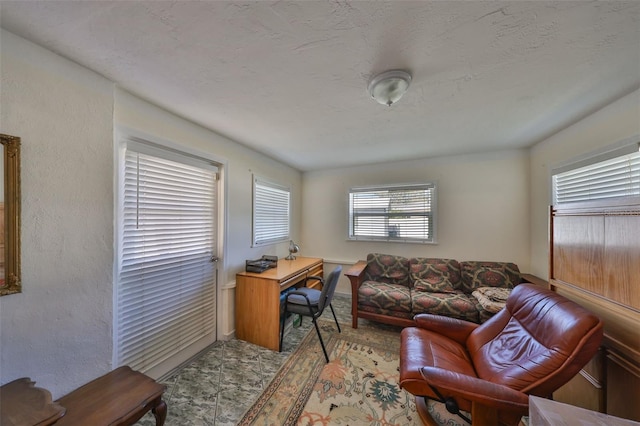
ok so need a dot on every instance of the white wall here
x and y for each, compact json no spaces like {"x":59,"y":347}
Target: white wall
{"x":483,"y":209}
{"x":610,"y":125}
{"x":238,"y":166}
{"x":58,"y":330}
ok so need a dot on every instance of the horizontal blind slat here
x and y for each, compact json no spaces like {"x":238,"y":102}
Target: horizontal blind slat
{"x":392,"y":213}
{"x":166,"y":283}
{"x":612,"y":178}
{"x":271,"y":212}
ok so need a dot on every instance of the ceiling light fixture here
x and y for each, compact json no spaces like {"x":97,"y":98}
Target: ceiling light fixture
{"x":388,"y":87}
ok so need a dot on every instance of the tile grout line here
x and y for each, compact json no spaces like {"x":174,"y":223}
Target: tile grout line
{"x":219,"y":382}
{"x":267,"y":362}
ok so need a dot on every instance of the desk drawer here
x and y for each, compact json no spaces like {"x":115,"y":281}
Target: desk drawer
{"x":293,"y":280}
{"x":317,"y":271}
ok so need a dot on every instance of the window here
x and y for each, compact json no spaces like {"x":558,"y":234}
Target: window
{"x":394,"y":213}
{"x":271,"y":212}
{"x":611,"y":175}
{"x":166,"y":280}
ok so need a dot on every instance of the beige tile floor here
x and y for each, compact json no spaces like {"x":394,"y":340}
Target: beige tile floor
{"x":222,"y":383}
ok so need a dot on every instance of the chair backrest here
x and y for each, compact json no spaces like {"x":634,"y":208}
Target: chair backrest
{"x":329,"y":288}
{"x":537,"y":343}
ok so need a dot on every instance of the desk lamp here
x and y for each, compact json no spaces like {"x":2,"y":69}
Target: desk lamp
{"x":293,"y":248}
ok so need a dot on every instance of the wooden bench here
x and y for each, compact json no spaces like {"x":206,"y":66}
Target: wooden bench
{"x":120,"y":397}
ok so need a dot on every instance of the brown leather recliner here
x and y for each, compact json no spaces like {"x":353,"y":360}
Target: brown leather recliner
{"x":537,"y":343}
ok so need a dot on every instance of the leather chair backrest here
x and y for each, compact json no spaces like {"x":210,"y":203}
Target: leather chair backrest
{"x":537,"y":343}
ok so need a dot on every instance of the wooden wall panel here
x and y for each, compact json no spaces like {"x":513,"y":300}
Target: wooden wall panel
{"x":586,"y":390}
{"x":622,"y":260}
{"x":579,"y":250}
{"x":622,"y":399}
{"x":595,"y":260}
{"x":621,"y":325}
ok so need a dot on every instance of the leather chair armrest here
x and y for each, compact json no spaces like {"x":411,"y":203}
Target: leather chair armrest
{"x":453,"y":328}
{"x":452,"y":384}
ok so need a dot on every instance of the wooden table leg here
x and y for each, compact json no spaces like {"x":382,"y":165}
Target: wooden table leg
{"x":159,"y":411}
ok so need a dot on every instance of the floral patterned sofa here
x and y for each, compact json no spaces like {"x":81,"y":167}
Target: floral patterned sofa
{"x":393,"y":289}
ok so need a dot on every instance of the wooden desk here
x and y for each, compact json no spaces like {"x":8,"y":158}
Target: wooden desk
{"x":258,"y":298}
{"x":21,"y":403}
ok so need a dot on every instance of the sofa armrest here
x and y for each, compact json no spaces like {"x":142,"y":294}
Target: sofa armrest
{"x":356,"y":276}
{"x":357,"y":270}
{"x":454,"y":328}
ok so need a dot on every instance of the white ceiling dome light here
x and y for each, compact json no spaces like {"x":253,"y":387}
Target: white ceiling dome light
{"x":388,"y":87}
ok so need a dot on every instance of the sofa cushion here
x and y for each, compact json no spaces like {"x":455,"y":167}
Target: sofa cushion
{"x":386,"y":268}
{"x":383,"y":296}
{"x":483,"y":315}
{"x":494,"y":304}
{"x":434,"y":275}
{"x":443,"y":286}
{"x":488,"y":274}
{"x":492,"y":299}
{"x":454,"y":305}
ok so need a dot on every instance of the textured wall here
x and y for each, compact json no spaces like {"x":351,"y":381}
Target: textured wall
{"x":290,"y":77}
{"x":238,"y":164}
{"x":482,"y":204}
{"x":610,"y":125}
{"x":58,"y":330}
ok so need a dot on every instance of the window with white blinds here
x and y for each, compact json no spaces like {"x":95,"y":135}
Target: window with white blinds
{"x":399,"y":213}
{"x":166,"y":289}
{"x":606,"y":179}
{"x":271,"y":212}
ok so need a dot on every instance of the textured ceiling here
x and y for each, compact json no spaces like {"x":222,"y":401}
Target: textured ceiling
{"x":289,"y":78}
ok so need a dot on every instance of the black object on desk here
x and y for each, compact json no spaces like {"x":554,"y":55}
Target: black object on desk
{"x":262,"y":264}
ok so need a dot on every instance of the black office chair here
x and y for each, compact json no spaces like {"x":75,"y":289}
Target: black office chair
{"x":310,"y":302}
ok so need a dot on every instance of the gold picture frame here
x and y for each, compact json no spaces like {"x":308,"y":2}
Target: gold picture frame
{"x":10,"y":279}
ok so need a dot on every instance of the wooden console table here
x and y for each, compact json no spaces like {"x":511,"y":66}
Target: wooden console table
{"x":258,"y":298}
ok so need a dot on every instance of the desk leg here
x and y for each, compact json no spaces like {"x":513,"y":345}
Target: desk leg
{"x":159,"y":411}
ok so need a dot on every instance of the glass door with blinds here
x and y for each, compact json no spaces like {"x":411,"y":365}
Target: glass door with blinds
{"x":165,"y":298}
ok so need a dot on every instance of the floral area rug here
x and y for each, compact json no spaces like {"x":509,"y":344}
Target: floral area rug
{"x":359,"y":386}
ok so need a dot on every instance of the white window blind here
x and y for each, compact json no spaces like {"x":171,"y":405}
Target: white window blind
{"x":271,"y":212}
{"x":612,"y":178}
{"x":165,"y":292}
{"x":399,"y":213}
